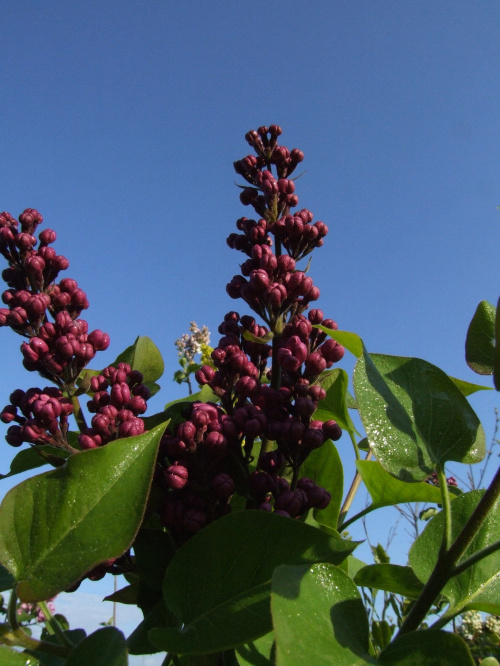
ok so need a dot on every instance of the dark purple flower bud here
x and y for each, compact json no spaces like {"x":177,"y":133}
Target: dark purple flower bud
{"x":247,"y":387}
{"x":131,"y":428}
{"x":313,"y":438}
{"x":314,"y":365}
{"x":34,"y":265}
{"x":25,"y":241}
{"x":318,"y":497}
{"x":14,"y":436}
{"x":292,"y":502}
{"x":176,"y":477}
{"x":89,"y":441}
{"x":223,"y":486}
{"x":120,"y":394}
{"x":60,"y":263}
{"x":8,"y":414}
{"x":332,"y":430}
{"x":215,"y":443}
{"x":261,"y":483}
{"x":101,"y":423}
{"x":194,"y":520}
{"x":204,"y":375}
{"x":17,"y":317}
{"x":304,"y":407}
{"x":121,"y":416}
{"x":47,"y":236}
{"x":331,"y":351}
{"x":29,"y":354}
{"x":137,"y":404}
{"x":186,"y":431}
{"x":99,"y":340}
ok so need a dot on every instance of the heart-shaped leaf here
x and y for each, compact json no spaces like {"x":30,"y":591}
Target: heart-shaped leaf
{"x":386,"y":490}
{"x":414,"y":416}
{"x":334,"y":405}
{"x":57,"y":526}
{"x":351,"y":341}
{"x":427,"y":648}
{"x":480,"y":341}
{"x":218,"y":584}
{"x":318,"y":617}
{"x":105,"y":647}
{"x":324,"y":467}
{"x":479,"y":585}
{"x":391,"y":578}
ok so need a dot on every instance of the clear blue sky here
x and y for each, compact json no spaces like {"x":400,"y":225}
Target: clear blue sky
{"x":120,"y":122}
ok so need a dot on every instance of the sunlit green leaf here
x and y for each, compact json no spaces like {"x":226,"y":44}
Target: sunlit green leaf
{"x":34,"y":457}
{"x":387,"y":490}
{"x":466,"y":388}
{"x":259,"y":652}
{"x":57,"y":526}
{"x":414,"y":416}
{"x":324,"y":467}
{"x":144,"y":356}
{"x":334,"y":405}
{"x":350,"y":341}
{"x":480,"y":342}
{"x":427,"y":648}
{"x":318,"y":617}
{"x":391,"y":578}
{"x":225,"y":601}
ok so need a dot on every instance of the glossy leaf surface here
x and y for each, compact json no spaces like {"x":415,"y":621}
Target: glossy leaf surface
{"x":479,"y":585}
{"x":318,"y":617}
{"x":57,"y":526}
{"x":427,"y":648}
{"x":480,"y":341}
{"x":105,"y":647}
{"x":414,"y":416}
{"x":218,"y":584}
{"x":144,"y":356}
{"x":351,"y":341}
{"x":387,"y":490}
{"x":33,"y":458}
{"x":391,"y":578}
{"x":324,"y":467}
{"x":334,"y":405}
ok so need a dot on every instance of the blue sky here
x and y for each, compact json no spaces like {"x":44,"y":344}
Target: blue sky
{"x":120,"y":122}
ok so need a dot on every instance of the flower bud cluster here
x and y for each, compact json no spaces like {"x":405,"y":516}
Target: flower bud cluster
{"x":35,"y":610}
{"x":46,"y":313}
{"x":37,"y":416}
{"x":119,"y":397}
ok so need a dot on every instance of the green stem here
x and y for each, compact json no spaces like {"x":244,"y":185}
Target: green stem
{"x":54,"y":625}
{"x":17,"y":637}
{"x":352,"y":491}
{"x":78,"y":413}
{"x":359,"y":515}
{"x":479,"y":555}
{"x":355,"y":445}
{"x":446,"y":564}
{"x":445,"y":500}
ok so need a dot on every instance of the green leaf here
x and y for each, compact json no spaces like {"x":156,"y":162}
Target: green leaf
{"x":225,"y":602}
{"x":387,"y":490}
{"x":34,"y":457}
{"x":414,"y":416}
{"x":496,"y":364}
{"x":9,"y":657}
{"x":144,"y":356}
{"x":7,"y":582}
{"x":318,"y":617}
{"x":57,"y":526}
{"x":466,"y":388}
{"x":391,"y":578}
{"x":324,"y":467}
{"x":259,"y":652}
{"x":427,"y":648}
{"x":138,"y":641}
{"x":105,"y":647}
{"x":254,"y":338}
{"x":479,"y":585}
{"x":350,"y":341}
{"x":480,"y":341}
{"x":76,"y":636}
{"x":127,"y":595}
{"x":334,"y":405}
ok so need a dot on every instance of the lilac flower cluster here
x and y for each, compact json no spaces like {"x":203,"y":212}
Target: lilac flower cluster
{"x":119,"y":396}
{"x":268,"y":408}
{"x":59,"y":345}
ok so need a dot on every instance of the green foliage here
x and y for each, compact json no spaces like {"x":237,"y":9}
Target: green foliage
{"x":57,"y":526}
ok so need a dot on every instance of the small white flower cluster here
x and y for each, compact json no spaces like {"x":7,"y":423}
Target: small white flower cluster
{"x":188,"y":345}
{"x":472,"y":625}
